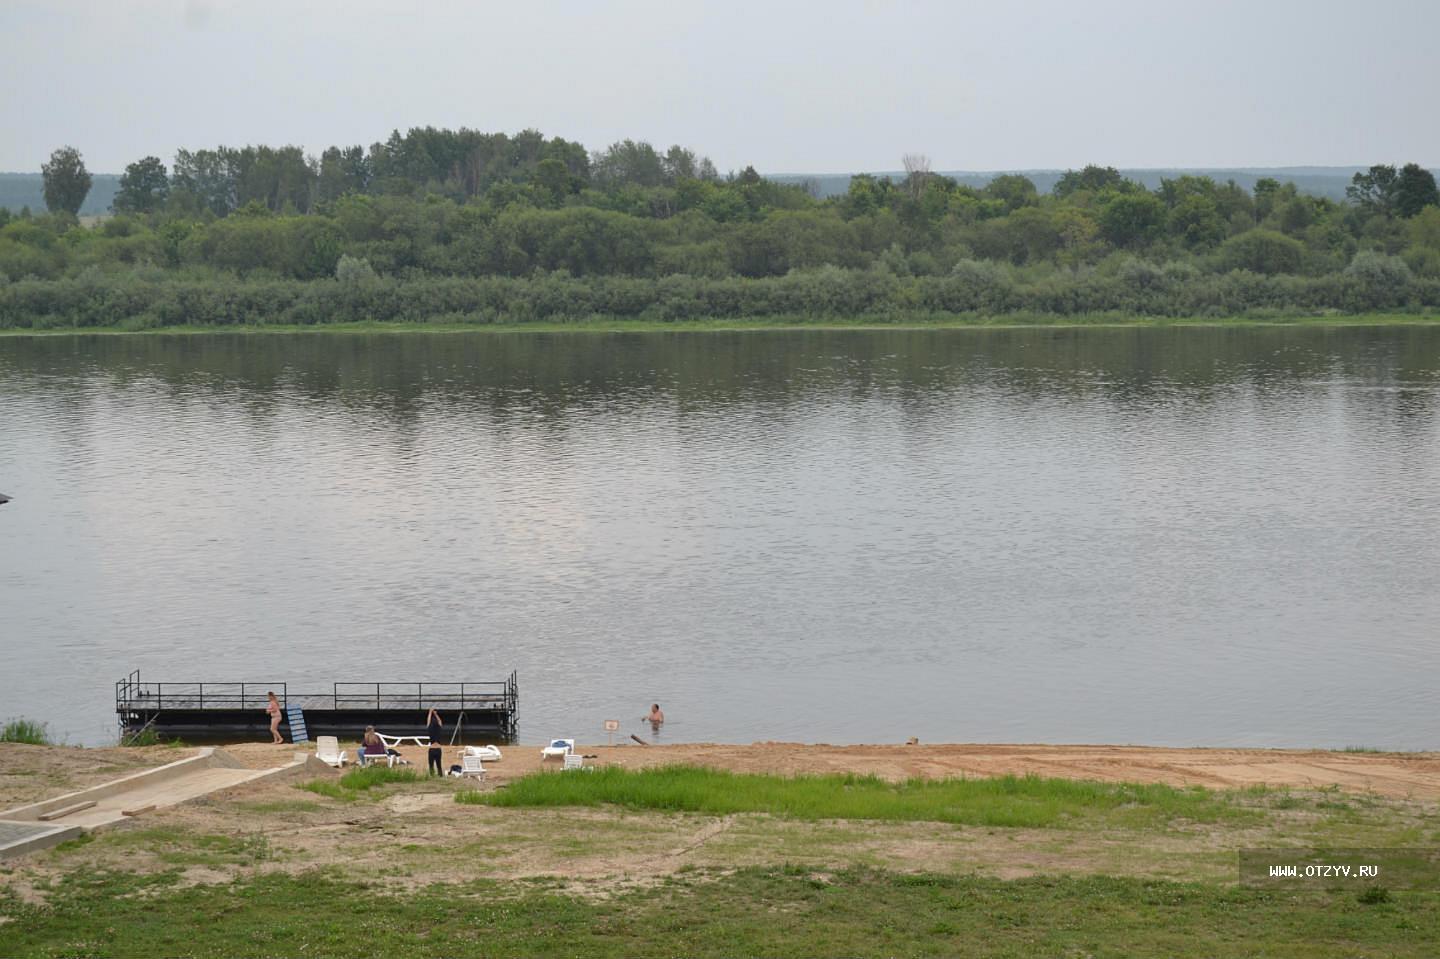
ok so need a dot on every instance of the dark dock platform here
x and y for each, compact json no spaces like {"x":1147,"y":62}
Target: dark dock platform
{"x":235,"y":712}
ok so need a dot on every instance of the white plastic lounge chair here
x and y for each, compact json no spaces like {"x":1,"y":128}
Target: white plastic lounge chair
{"x":327,"y":750}
{"x":489,"y":753}
{"x":393,"y":742}
{"x":367,"y":759}
{"x":557,"y":747}
{"x":574,"y":761}
{"x":471,"y":766}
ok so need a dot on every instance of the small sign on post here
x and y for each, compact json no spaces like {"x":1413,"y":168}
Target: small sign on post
{"x":610,"y":726}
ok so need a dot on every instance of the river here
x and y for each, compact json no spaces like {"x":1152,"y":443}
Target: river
{"x":1178,"y":536}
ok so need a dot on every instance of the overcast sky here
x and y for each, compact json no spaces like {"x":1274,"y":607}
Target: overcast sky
{"x":833,"y":86}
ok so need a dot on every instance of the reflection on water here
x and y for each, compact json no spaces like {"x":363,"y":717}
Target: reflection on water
{"x":1181,"y":536}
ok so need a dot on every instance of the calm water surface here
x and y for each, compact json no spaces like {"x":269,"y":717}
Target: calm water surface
{"x":1171,"y":536}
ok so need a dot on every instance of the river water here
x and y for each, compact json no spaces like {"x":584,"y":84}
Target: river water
{"x":1187,"y":536}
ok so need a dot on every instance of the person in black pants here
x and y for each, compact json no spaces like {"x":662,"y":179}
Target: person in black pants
{"x":435,"y":724}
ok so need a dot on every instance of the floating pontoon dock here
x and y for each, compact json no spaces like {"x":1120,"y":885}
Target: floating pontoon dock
{"x":230,"y":712}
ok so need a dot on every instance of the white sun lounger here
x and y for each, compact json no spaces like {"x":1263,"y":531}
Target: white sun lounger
{"x":574,"y":761}
{"x":557,"y":747}
{"x":490,"y":753}
{"x":327,"y":750}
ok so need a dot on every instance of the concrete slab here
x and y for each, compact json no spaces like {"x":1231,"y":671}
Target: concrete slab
{"x":18,"y":838}
{"x":140,"y":795}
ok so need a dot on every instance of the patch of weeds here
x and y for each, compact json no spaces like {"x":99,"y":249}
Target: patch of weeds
{"x":283,"y":807}
{"x":328,"y":788}
{"x":26,"y":731}
{"x":211,"y":850}
{"x":358,"y":781}
{"x":1001,"y":801}
{"x":69,"y":845}
{"x":1374,"y":896}
{"x":371,"y":776}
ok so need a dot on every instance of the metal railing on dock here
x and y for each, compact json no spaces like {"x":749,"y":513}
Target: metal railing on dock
{"x":131,"y":693}
{"x":134,"y":696}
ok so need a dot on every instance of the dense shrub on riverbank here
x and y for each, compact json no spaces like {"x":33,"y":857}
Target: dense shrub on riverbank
{"x":153,"y":299}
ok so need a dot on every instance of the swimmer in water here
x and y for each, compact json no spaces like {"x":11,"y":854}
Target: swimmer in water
{"x":656,"y":716}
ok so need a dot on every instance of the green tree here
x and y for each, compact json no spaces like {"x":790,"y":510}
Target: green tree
{"x":1262,"y":251}
{"x":1093,"y":178}
{"x":1267,"y":195}
{"x":1374,"y":190}
{"x":1013,"y":190}
{"x":1196,"y":222}
{"x":866,"y":195}
{"x":1414,"y":190}
{"x":67,"y":182}
{"x":1131,"y":220}
{"x":143,"y":187}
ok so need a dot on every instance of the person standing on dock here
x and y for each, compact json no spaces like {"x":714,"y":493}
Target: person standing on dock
{"x":436,"y":725}
{"x":273,"y":708}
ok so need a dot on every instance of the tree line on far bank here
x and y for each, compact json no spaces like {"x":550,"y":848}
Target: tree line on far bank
{"x":546,"y":216}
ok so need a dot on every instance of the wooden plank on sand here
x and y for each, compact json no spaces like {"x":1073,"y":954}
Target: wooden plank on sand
{"x":64,"y":811}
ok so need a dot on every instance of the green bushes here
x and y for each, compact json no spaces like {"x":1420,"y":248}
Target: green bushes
{"x":1262,"y":251}
{"x":97,"y":299}
{"x":25,"y":731}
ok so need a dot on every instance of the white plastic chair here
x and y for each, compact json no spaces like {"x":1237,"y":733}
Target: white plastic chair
{"x":574,"y":761}
{"x":328,"y":751}
{"x":471,"y":766}
{"x":557,"y":747}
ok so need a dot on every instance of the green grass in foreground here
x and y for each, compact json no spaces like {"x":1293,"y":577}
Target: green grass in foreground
{"x":25,"y":731}
{"x":888,"y":321}
{"x":1009,"y":801}
{"x":771,"y":912}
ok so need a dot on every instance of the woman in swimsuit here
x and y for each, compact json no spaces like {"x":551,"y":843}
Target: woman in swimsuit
{"x":273,"y":708}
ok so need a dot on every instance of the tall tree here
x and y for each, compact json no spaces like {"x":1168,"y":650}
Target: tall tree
{"x":1093,"y":178}
{"x":1414,"y":190}
{"x":917,"y":171}
{"x":143,"y":187}
{"x":1374,"y":190}
{"x":67,"y":182}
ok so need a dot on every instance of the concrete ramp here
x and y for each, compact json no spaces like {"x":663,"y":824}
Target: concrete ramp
{"x":40,"y":825}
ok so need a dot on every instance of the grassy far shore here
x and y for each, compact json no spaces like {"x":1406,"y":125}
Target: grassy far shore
{"x":696,"y":861}
{"x":889,"y":321}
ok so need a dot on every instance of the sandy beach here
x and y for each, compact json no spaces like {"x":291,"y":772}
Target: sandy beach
{"x":28,"y":773}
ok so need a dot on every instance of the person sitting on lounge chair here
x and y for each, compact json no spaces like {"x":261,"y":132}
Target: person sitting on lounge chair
{"x":372,"y":747}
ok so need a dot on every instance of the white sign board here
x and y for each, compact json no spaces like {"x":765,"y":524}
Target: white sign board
{"x":611,"y":725}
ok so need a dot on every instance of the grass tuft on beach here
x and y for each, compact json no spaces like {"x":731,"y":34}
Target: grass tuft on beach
{"x":25,"y":731}
{"x":358,"y":781}
{"x":1002,"y":801}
